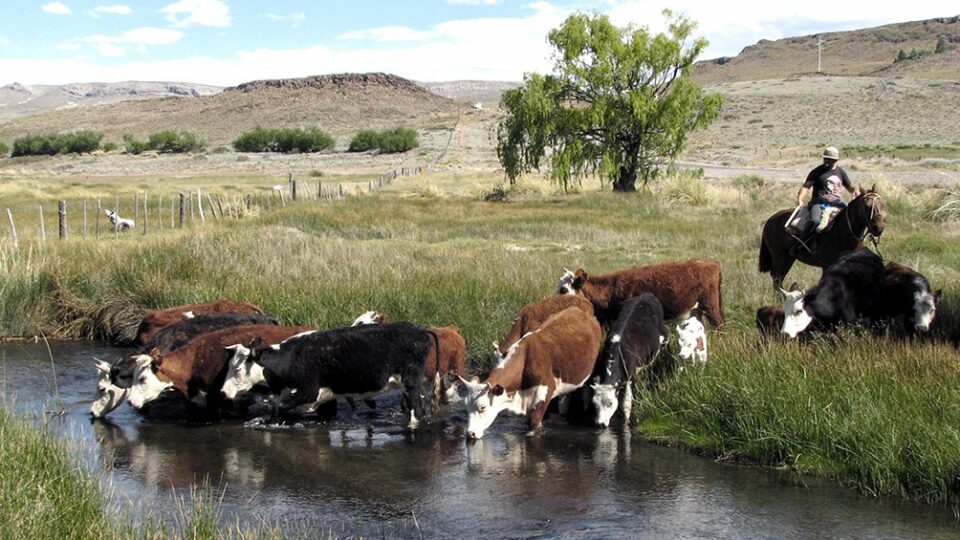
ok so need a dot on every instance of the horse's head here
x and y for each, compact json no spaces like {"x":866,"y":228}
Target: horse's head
{"x":869,"y":210}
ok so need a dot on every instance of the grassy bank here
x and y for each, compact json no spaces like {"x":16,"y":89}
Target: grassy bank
{"x":868,"y":411}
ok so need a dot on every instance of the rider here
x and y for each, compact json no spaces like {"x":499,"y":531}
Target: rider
{"x":826,"y":181}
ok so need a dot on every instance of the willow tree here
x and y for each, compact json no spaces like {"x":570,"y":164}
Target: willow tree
{"x":620,"y":104}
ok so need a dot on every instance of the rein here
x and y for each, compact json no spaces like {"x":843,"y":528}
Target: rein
{"x":874,"y":211}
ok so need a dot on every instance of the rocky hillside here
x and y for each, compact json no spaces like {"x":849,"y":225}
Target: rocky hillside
{"x":340,"y":104}
{"x":867,"y":52}
{"x":19,"y":100}
{"x":487,"y":93}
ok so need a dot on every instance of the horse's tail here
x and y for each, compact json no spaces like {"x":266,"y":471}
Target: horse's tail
{"x":766,"y":260}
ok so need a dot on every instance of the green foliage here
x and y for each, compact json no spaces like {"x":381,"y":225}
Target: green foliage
{"x":687,"y":189}
{"x":317,"y":173}
{"x":4,"y":149}
{"x":165,"y":142}
{"x":364,"y":141}
{"x":54,"y":143}
{"x":913,"y":55}
{"x":621,"y":103}
{"x":284,"y":140}
{"x":134,"y":146}
{"x":390,"y":141}
{"x":109,"y":147}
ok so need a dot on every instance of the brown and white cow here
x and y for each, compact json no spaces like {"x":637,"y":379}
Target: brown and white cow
{"x":197,"y":369}
{"x":155,"y":320}
{"x":680,"y":286}
{"x":549,"y":362}
{"x":533,"y":315}
{"x":441,"y":371}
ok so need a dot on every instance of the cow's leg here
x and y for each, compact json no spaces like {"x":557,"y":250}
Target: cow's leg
{"x":412,"y":403}
{"x":539,"y":409}
{"x":627,"y":400}
{"x":712,"y":308}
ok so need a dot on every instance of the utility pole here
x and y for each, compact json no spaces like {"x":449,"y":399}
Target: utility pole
{"x":819,"y":51}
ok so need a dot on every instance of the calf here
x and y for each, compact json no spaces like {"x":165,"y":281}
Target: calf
{"x":532,"y":316}
{"x":155,"y":320}
{"x":549,"y":362}
{"x":177,"y":334}
{"x":197,"y":369}
{"x":120,"y":223}
{"x":692,"y":339}
{"x":769,"y":320}
{"x":356,"y":362}
{"x":109,"y":395}
{"x":680,"y":286}
{"x":906,"y":298}
{"x":633,"y":342}
{"x":847,"y":290}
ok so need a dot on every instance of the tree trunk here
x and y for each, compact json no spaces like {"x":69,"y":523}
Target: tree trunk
{"x":627,"y":182}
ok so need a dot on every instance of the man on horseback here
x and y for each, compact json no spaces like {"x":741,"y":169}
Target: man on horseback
{"x":826,"y":181}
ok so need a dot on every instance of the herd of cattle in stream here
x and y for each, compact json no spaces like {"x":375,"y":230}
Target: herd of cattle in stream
{"x":230,"y":358}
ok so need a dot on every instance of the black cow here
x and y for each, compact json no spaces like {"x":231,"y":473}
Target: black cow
{"x":906,"y":299}
{"x":848,"y":290}
{"x":176,"y":335}
{"x":634,"y":339}
{"x":356,"y":362}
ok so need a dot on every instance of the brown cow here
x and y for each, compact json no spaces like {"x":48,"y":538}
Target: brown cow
{"x":552,"y":361}
{"x":532,"y":316}
{"x":155,"y":320}
{"x":680,"y":286}
{"x":769,"y":320}
{"x":198,"y":368}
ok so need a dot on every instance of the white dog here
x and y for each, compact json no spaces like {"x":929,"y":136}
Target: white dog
{"x":123,"y":223}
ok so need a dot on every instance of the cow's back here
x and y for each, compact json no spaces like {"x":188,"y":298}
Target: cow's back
{"x":566,"y":346}
{"x":637,"y":328}
{"x":155,"y":320}
{"x":533,"y":315}
{"x":855,"y":279}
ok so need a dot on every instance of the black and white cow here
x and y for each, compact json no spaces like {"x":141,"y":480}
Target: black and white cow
{"x":633,"y":342}
{"x":358,"y":362}
{"x":847,"y":290}
{"x":907,"y":299}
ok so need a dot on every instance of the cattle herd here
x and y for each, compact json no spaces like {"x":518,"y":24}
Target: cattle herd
{"x":587,"y":345}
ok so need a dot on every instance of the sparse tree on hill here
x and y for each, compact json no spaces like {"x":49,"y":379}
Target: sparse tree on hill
{"x":620,"y":104}
{"x":941,"y":45}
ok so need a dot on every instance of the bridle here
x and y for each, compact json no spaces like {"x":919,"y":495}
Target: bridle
{"x":876,"y":210}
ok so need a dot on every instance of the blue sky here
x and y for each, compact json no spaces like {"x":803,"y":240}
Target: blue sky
{"x":227,"y":42}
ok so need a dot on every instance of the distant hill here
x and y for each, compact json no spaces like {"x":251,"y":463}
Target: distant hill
{"x":483,"y":92}
{"x":18,"y":100}
{"x":867,"y":52}
{"x":340,"y":104}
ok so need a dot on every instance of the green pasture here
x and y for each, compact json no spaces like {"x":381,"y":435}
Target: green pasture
{"x":869,"y":411}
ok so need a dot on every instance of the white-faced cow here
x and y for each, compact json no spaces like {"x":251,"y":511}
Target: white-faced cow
{"x":633,"y":342}
{"x":680,"y":286}
{"x":109,"y":395}
{"x":197,"y":370}
{"x":178,"y":334}
{"x":356,"y":362}
{"x":692,"y":340}
{"x":156,"y":320}
{"x":371,"y":317}
{"x":533,"y":315}
{"x":906,"y":299}
{"x":847,"y":291}
{"x":549,"y":362}
{"x":120,"y":223}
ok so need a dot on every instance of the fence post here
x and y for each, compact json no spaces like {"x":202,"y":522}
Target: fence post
{"x":213,"y":211}
{"x":182,"y":200}
{"x":145,"y":213}
{"x":220,"y":205}
{"x":160,"y":212}
{"x":282,"y":202}
{"x":99,"y":211}
{"x":84,"y":219}
{"x":62,"y":212}
{"x":200,"y":206}
{"x":341,"y":191}
{"x":249,"y":201}
{"x":43,"y":231}
{"x":136,"y":206}
{"x":116,"y":213}
{"x":13,"y":228}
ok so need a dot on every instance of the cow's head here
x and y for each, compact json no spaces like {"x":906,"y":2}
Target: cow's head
{"x":924,"y":306}
{"x":692,"y":338}
{"x":483,"y":403}
{"x":146,"y":386}
{"x":571,"y":282}
{"x":605,"y":401}
{"x":109,"y":395}
{"x":371,"y":317}
{"x":796,"y":317}
{"x":243,"y":372}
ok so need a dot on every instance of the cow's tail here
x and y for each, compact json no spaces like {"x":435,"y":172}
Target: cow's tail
{"x":437,"y":378}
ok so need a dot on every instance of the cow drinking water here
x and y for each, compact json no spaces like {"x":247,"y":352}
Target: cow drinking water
{"x":906,"y":299}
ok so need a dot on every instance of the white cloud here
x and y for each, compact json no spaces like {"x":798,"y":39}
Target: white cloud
{"x":186,"y":13}
{"x":390,"y":33}
{"x":4,"y":41}
{"x":139,"y":38}
{"x":69,"y":47}
{"x":474,"y":2}
{"x":118,"y":9}
{"x":56,"y":8}
{"x":294,"y":18}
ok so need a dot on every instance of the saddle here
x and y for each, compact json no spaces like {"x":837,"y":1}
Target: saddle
{"x":802,"y":232}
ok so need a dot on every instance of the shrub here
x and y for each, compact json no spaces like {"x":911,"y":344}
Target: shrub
{"x":398,"y":139}
{"x":4,"y":149}
{"x":283,"y":140}
{"x":365,"y":141}
{"x":109,"y":147}
{"x":686,"y":189}
{"x":166,"y":141}
{"x":134,"y":146}
{"x":53,"y":143}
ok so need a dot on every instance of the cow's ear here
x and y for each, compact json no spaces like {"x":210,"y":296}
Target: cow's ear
{"x":595,"y":381}
{"x":579,"y":278}
{"x":936,"y":295}
{"x":155,"y":352}
{"x":496,"y":390}
{"x":157,"y":361}
{"x":254,"y":343}
{"x":794,"y":287}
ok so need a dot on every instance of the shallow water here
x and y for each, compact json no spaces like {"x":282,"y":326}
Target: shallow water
{"x":362,"y":474}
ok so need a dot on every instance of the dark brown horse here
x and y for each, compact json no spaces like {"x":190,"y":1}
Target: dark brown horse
{"x":864,"y":214}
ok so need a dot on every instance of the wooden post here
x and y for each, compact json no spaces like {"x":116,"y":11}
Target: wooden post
{"x":249,"y":201}
{"x":213,"y":211}
{"x":293,"y":190}
{"x":290,"y":181}
{"x":282,"y":202}
{"x":182,"y":201}
{"x":173,"y":219}
{"x":220,"y":205}
{"x":84,"y":219}
{"x":160,"y":212}
{"x":341,"y":191}
{"x":99,"y":211}
{"x":145,"y":213}
{"x":43,"y":231}
{"x":200,"y":207}
{"x":13,"y":228}
{"x":62,"y":213}
{"x":116,"y":212}
{"x":136,"y":206}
